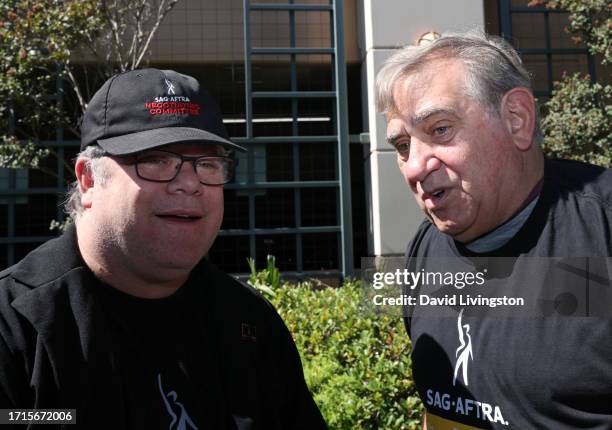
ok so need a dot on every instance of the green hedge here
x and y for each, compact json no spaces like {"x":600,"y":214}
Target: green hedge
{"x":356,"y":364}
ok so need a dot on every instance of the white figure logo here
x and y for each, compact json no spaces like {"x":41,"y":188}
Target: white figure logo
{"x":464,"y":352}
{"x":170,"y":87}
{"x":183,"y":420}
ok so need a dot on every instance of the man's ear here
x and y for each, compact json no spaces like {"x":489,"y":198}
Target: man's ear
{"x":84,"y":177}
{"x":519,"y":116}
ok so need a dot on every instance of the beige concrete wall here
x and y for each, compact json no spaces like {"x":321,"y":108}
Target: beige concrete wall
{"x":394,"y":23}
{"x":387,"y":26}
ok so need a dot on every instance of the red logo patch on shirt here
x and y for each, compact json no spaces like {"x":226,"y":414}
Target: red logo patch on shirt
{"x":249,"y":332}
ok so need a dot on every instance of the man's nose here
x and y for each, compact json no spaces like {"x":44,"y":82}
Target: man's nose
{"x":420,"y":163}
{"x":186,"y":181}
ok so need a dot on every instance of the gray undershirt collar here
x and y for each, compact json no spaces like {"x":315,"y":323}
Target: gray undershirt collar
{"x":502,"y":234}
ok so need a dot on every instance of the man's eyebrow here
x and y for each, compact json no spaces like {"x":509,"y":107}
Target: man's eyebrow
{"x":428,"y":113}
{"x":394,"y":137}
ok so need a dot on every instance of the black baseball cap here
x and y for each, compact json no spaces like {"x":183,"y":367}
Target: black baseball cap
{"x":148,"y":108}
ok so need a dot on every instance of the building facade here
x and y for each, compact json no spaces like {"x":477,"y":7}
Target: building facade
{"x":319,"y":188}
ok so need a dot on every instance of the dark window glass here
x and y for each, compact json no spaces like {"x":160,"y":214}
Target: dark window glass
{"x":318,"y":161}
{"x":281,"y":246}
{"x":320,"y":251}
{"x":231,"y":253}
{"x":236,"y":213}
{"x":4,"y":208}
{"x":319,"y":206}
{"x":32,"y":218}
{"x":274,"y":208}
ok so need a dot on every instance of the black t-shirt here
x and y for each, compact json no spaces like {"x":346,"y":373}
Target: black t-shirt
{"x":163,"y":354}
{"x":545,"y":370}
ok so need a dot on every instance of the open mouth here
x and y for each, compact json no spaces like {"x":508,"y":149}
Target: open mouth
{"x":438,"y":194}
{"x":435,"y":198}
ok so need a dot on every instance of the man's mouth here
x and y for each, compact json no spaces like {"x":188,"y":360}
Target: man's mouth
{"x":437,"y":194}
{"x":179,"y":217}
{"x":434,"y":198}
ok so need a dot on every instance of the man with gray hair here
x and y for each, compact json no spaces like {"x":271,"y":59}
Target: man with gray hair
{"x":462,"y":118}
{"x":121,"y":320}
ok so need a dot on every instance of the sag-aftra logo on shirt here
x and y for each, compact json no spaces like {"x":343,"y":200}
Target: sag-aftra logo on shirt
{"x":179,"y":418}
{"x":458,"y":405}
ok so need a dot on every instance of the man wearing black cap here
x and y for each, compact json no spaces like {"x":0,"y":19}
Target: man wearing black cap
{"x":121,"y":318}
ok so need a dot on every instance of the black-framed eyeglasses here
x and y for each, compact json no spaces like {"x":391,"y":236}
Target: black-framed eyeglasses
{"x":164,"y":166}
